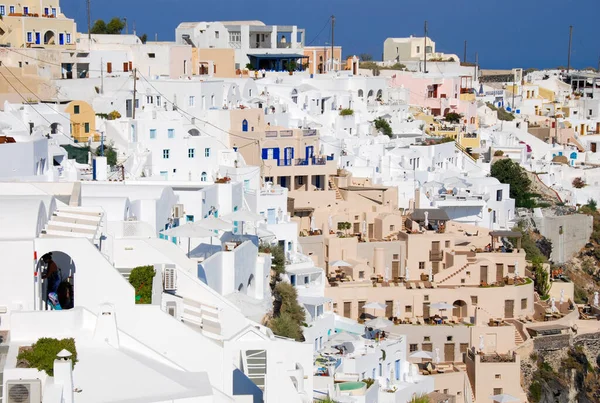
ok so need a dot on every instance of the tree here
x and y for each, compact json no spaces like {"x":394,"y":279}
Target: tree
{"x":289,"y":318}
{"x":365,"y":57}
{"x":144,"y":38}
{"x":452,"y":117}
{"x":506,"y":171}
{"x":383,"y":126}
{"x":542,"y":279}
{"x":109,"y":152}
{"x":99,"y":27}
{"x":141,"y":279}
{"x":114,"y":27}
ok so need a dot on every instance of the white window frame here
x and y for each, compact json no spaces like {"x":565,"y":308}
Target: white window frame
{"x":192,"y":100}
{"x":29,"y":37}
{"x":166,"y":154}
{"x":2,"y":9}
{"x":68,"y":39}
{"x":207,"y":152}
{"x":191,"y":152}
{"x":11,"y":9}
{"x":152,"y":134}
{"x":171,"y":133}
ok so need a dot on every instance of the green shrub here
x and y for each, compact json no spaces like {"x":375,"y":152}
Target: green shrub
{"x":452,"y":117}
{"x":498,"y":153}
{"x":44,"y":351}
{"x":346,"y":112}
{"x":141,"y":279}
{"x":382,"y":125}
{"x":535,"y":392}
{"x":277,"y":256}
{"x":507,"y":171}
{"x":289,"y":320}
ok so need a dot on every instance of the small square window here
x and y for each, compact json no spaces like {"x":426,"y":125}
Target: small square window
{"x":207,"y":152}
{"x":408,"y":308}
{"x":474,"y":299}
{"x":152,"y":133}
{"x":171,"y":133}
{"x":421,"y":265}
{"x":356,"y":218}
{"x":413,"y":347}
{"x":76,"y":109}
{"x":151,"y":55}
{"x":462,"y":281}
{"x":395,"y":256}
{"x":361,"y":274}
{"x":191,"y":152}
{"x":524,"y":303}
{"x":449,"y":338}
{"x":426,"y":298}
{"x":392,"y":227}
{"x":447,"y":244}
{"x":497,"y":391}
{"x":427,"y":338}
{"x":86,"y":127}
{"x":498,"y":376}
{"x":166,"y":154}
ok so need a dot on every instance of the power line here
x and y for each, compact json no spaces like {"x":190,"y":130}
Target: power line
{"x":35,"y":109}
{"x":320,"y":32}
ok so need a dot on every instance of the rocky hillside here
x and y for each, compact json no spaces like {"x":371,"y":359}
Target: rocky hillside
{"x":569,"y":375}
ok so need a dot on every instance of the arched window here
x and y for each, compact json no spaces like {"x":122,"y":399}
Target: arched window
{"x":244,"y":125}
{"x":240,"y":287}
{"x":203,"y":177}
{"x":379,"y":94}
{"x":212,"y":100}
{"x":361,"y":93}
{"x":49,"y":38}
{"x":295,"y":96}
{"x":370,"y":94}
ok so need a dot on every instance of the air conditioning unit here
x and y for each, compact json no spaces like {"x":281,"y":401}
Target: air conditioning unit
{"x":170,"y":279}
{"x":23,"y":391}
{"x":178,"y":211}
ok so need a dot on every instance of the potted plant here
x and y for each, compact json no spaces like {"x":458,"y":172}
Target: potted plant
{"x":292,"y":67}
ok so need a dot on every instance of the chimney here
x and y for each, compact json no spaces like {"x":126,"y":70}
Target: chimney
{"x":63,"y":375}
{"x":106,"y":326}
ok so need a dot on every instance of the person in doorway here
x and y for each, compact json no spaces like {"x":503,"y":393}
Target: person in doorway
{"x":65,"y":295}
{"x":51,"y":274}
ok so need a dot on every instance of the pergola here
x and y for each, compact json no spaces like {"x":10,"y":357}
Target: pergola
{"x":277,"y":62}
{"x":506,"y":234}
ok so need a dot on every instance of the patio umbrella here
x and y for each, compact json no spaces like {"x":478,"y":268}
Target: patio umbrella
{"x":562,"y":295}
{"x":406,"y":274}
{"x":397,"y":311}
{"x":421,"y":354}
{"x":437,"y":355}
{"x":430,"y":273}
{"x":343,"y":337}
{"x":375,"y":305}
{"x":364,"y":227}
{"x":379,"y":323}
{"x":504,"y":398}
{"x":313,"y":225}
{"x":553,"y":306}
{"x":330,"y":223}
{"x":426,"y":219}
{"x":386,"y":275}
{"x":442,"y":306}
{"x":329,"y":351}
{"x":188,"y":230}
{"x":215,"y":224}
{"x":481,"y":343}
{"x":596,"y":299}
{"x":516,"y":269}
{"x":340,"y":263}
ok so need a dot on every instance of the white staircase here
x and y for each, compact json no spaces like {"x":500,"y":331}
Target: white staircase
{"x":255,"y":366}
{"x":74,"y":222}
{"x":202,"y":317}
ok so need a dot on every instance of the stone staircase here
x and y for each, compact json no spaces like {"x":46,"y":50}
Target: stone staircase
{"x":202,"y":318}
{"x":333,"y":186}
{"x":457,"y":272}
{"x":518,"y":338}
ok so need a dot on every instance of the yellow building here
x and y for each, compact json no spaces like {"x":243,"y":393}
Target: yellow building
{"x":83,"y":121}
{"x":218,"y":63}
{"x":319,"y":58}
{"x":36,"y":24}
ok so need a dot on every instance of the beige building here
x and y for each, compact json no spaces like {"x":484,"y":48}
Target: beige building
{"x":319,"y":58}
{"x":83,"y":121}
{"x":219,"y":63}
{"x":289,"y":157}
{"x":36,"y":24}
{"x":413,"y":49}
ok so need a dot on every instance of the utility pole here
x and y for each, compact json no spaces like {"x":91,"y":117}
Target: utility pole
{"x":101,"y":76}
{"x":134,"y":91}
{"x":425,"y":51}
{"x":570,"y":41}
{"x":465,"y":56}
{"x":332,"y":42}
{"x":89,"y":18}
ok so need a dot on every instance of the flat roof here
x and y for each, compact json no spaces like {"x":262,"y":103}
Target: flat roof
{"x":278,"y":56}
{"x":434,"y":214}
{"x":507,"y":234}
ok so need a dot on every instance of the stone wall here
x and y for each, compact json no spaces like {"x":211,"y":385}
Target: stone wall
{"x":576,"y":231}
{"x":553,"y":342}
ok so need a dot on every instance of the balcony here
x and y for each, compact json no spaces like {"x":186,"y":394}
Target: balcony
{"x":271,"y":133}
{"x":436,"y":256}
{"x":309,"y":132}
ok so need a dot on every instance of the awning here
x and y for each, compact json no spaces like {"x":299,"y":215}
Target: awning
{"x":314,"y":301}
{"x":304,"y":270}
{"x":278,"y":56}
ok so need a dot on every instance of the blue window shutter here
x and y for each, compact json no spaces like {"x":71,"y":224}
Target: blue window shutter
{"x":265,"y":153}
{"x":276,"y":154}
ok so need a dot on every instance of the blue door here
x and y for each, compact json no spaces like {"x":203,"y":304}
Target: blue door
{"x":61,"y":39}
{"x":271,"y":215}
{"x":265,"y":153}
{"x":283,"y":181}
{"x":276,"y":155}
{"x":244,"y":125}
{"x":310,"y":150}
{"x":38,"y":38}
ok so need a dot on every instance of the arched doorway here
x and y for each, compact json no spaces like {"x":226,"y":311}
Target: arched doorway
{"x":194,"y":132}
{"x":244,"y":125}
{"x":49,"y":38}
{"x":460,"y":309}
{"x":65,"y":283}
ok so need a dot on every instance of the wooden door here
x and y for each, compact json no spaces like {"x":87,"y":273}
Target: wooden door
{"x":357,"y":228}
{"x":109,"y":67}
{"x":499,"y":272}
{"x":347,"y":309}
{"x":395,"y":270}
{"x":426,"y":313}
{"x":389,"y":309}
{"x":435,"y":266}
{"x":361,"y":310}
{"x":371,"y":231}
{"x":125,"y":67}
{"x":449,"y":352}
{"x":427,"y":347}
{"x":593,"y":145}
{"x":435,"y":246}
{"x":483,"y":274}
{"x":509,"y":308}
